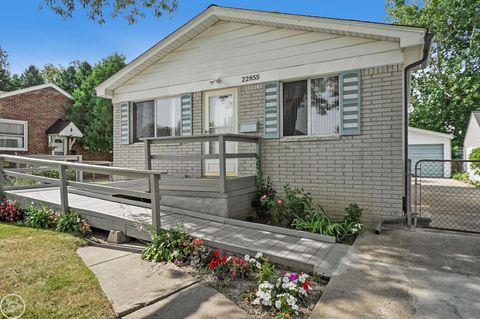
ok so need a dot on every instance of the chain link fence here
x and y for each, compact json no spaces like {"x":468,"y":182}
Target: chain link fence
{"x":447,"y":192}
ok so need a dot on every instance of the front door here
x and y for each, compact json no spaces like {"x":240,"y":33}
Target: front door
{"x":220,"y":117}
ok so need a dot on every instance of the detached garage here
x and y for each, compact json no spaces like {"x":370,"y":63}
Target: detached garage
{"x":430,"y":145}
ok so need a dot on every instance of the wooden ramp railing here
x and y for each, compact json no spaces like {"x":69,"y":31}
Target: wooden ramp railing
{"x":152,"y":193}
{"x":222,"y":155}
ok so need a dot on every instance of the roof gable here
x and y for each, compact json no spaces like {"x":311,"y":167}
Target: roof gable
{"x":64,"y":128}
{"x":405,"y":36}
{"x":35,"y":88}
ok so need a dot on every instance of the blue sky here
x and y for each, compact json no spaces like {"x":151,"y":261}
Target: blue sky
{"x":31,"y":35}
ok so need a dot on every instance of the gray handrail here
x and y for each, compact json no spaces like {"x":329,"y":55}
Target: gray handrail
{"x":222,"y":155}
{"x":152,"y":176}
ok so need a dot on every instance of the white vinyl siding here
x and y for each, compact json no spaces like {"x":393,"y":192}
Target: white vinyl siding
{"x":13,"y":135}
{"x":229,"y":50}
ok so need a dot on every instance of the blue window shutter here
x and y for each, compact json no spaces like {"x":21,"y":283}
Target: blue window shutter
{"x":186,"y":102}
{"x":271,"y":91}
{"x":350,"y":91}
{"x":125,"y":123}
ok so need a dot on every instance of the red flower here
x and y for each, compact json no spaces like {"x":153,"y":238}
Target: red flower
{"x":280,"y":202}
{"x":217,"y":254}
{"x":306,"y":285}
{"x":263,"y":197}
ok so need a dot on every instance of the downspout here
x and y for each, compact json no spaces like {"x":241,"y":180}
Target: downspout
{"x":426,"y":50}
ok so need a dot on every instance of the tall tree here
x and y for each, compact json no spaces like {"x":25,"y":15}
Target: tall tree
{"x":4,"y":71}
{"x":96,"y":10}
{"x":69,"y":78}
{"x":92,"y":114}
{"x":30,"y":77}
{"x":448,"y":90}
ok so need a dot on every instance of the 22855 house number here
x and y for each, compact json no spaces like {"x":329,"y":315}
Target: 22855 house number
{"x":251,"y":77}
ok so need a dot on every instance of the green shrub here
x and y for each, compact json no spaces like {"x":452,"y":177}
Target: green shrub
{"x":461,"y":176}
{"x":168,"y":246}
{"x":39,"y":217}
{"x":354,"y":213}
{"x":475,"y":156}
{"x":69,"y":223}
{"x":71,"y":174}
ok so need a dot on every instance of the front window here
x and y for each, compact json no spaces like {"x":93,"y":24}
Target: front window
{"x":311,"y":107}
{"x":13,"y":135}
{"x":157,"y":118}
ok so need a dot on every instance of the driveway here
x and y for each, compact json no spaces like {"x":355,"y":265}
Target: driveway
{"x":449,"y":203}
{"x":402,"y":274}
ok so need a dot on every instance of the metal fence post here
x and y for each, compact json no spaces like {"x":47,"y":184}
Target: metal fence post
{"x":154,"y":179}
{"x":63,"y":188}
{"x":2,"y":180}
{"x":222,"y":181}
{"x":409,"y":193}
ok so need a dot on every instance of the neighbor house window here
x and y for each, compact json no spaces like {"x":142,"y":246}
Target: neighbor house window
{"x":311,"y":107}
{"x":13,"y":135}
{"x":157,"y":118}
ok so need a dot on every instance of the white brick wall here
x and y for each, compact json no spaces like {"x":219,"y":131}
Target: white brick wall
{"x":366,"y":169}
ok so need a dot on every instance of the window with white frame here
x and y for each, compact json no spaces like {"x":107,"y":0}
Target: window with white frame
{"x":13,"y":135}
{"x":311,"y":107}
{"x":157,"y":118}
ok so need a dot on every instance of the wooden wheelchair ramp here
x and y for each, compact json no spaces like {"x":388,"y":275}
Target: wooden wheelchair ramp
{"x":293,"y":249}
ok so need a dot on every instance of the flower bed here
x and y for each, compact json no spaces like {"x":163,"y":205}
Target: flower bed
{"x":297,"y":210}
{"x":43,"y":217}
{"x":251,"y":282}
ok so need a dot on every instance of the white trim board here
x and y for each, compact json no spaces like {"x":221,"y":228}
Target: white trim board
{"x":34,"y":88}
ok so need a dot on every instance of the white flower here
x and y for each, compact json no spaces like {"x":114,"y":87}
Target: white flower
{"x":278,"y":304}
{"x":302,"y":291}
{"x":256,"y":301}
{"x":247,"y":258}
{"x":258,"y":265}
{"x":291,"y":285}
{"x":229,"y":258}
{"x":285,"y":279}
{"x":295,"y":307}
{"x":259,"y":255}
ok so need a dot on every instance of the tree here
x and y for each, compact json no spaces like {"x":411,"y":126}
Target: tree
{"x":96,"y":10}
{"x":30,"y":77}
{"x":448,"y":90}
{"x":69,"y":78}
{"x":92,"y":114}
{"x":4,"y":72}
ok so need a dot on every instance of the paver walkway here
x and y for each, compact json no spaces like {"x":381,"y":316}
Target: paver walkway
{"x":405,"y":275}
{"x":139,"y":289}
{"x":291,"y":251}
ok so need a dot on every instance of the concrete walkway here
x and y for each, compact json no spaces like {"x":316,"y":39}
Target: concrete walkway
{"x":139,"y":289}
{"x":402,"y":274}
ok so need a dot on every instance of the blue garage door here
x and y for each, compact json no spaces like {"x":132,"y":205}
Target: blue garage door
{"x":418,"y":152}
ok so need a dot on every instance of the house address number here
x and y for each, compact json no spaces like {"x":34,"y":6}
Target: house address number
{"x":251,"y":77}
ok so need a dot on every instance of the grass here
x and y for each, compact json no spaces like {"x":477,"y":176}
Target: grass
{"x":43,"y":267}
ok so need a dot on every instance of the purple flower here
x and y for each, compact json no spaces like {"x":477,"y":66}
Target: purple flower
{"x":292,"y":277}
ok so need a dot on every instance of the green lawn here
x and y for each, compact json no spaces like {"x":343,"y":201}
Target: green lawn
{"x":43,"y":268}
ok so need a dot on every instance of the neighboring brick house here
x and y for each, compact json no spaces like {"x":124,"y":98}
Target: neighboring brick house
{"x":31,"y":121}
{"x":326,"y":95}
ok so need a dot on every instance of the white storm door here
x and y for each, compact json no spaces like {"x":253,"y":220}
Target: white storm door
{"x":220,"y":117}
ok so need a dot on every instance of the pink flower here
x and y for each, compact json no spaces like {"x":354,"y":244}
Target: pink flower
{"x":263,"y":197}
{"x":280,"y":202}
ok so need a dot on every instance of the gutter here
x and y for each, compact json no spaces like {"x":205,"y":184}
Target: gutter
{"x":406,"y":210}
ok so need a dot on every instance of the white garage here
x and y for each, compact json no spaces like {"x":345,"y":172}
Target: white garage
{"x":430,"y":145}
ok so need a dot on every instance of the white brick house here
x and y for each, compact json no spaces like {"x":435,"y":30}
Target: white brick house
{"x":326,"y":96}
